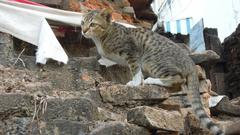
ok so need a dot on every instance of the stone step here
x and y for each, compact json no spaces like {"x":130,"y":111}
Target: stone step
{"x":77,"y":76}
{"x":117,"y":94}
{"x":119,"y":128}
{"x":156,"y":119}
{"x":24,"y":105}
{"x":121,"y":95}
{"x":25,"y":126}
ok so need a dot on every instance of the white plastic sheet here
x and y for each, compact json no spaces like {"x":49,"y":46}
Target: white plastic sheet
{"x":28,"y":23}
{"x":214,"y":100}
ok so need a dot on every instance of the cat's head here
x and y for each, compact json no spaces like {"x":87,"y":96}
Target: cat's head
{"x":95,"y":23}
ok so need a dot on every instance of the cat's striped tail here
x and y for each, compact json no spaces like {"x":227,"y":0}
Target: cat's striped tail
{"x":194,"y":97}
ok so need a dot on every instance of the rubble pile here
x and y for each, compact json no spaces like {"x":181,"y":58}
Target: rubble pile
{"x":84,"y":97}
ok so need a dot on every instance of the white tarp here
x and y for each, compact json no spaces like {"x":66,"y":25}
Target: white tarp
{"x":214,"y":100}
{"x":28,"y":23}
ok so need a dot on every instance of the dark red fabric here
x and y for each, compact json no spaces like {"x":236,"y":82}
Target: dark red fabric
{"x":28,"y":2}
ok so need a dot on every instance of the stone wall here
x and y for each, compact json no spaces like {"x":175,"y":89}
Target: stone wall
{"x":232,"y":58}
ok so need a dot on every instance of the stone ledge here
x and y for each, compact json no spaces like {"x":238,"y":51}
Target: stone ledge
{"x":14,"y":105}
{"x":159,"y":119}
{"x":69,"y":109}
{"x":119,"y":128}
{"x":122,"y":94}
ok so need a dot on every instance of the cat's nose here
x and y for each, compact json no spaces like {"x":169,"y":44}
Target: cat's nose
{"x":84,"y":30}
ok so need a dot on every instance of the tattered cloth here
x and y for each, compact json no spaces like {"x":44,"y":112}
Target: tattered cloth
{"x":28,"y":23}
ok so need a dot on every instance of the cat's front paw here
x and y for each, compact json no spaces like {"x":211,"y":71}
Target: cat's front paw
{"x":106,"y":62}
{"x":133,"y":83}
{"x":154,"y":81}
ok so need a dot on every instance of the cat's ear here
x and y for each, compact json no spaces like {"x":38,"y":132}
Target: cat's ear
{"x":106,"y":13}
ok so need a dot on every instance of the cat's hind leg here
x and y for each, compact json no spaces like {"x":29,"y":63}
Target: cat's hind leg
{"x":155,"y":81}
{"x":106,"y":62}
{"x":137,"y":79}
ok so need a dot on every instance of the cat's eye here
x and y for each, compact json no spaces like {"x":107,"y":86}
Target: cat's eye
{"x":82,"y":22}
{"x":93,"y":24}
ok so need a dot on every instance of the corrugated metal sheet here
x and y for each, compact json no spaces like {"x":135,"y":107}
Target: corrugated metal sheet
{"x":182,"y":26}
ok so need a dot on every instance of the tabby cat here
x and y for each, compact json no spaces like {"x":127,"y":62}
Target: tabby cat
{"x":148,"y":55}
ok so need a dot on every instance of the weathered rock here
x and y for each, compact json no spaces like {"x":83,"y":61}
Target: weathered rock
{"x":76,"y":101}
{"x":105,"y":115}
{"x":117,"y":7}
{"x":236,"y":101}
{"x":25,"y":126}
{"x":201,"y":72}
{"x":95,"y":96}
{"x":228,"y":123}
{"x":160,"y":132}
{"x":119,"y":128}
{"x":65,"y":127}
{"x":143,"y":9}
{"x":192,"y":126}
{"x":156,"y":118}
{"x":175,"y":102}
{"x":215,"y":70}
{"x":5,"y":38}
{"x":122,"y":94}
{"x":233,"y":129}
{"x":68,"y":109}
{"x":79,"y":75}
{"x":81,"y":109}
{"x":231,"y":56}
{"x":226,"y":107}
{"x":16,"y":126}
{"x":205,"y":56}
{"x":6,"y":48}
{"x":15,"y":105}
{"x":179,"y":100}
